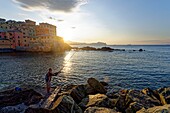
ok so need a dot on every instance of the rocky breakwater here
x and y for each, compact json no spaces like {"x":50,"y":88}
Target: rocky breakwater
{"x":97,"y":49}
{"x":89,"y":98}
{"x":109,"y":49}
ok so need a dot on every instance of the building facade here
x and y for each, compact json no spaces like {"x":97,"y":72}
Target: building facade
{"x":27,"y":35}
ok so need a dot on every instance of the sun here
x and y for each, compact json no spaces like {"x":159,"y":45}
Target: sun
{"x":67,"y":34}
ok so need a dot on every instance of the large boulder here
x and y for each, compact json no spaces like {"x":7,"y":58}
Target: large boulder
{"x":64,"y":104}
{"x":133,"y":100}
{"x":165,"y":94}
{"x":90,"y":90}
{"x":123,"y":101}
{"x":78,"y":93}
{"x":13,"y":97}
{"x":154,"y":95}
{"x":96,"y":85}
{"x":99,"y":100}
{"x":133,"y":107}
{"x":156,"y":109}
{"x":99,"y":110}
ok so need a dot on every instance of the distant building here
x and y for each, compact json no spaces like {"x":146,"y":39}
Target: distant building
{"x":2,"y":20}
{"x":40,"y":31}
{"x":5,"y":43}
{"x":51,"y":29}
{"x":26,"y":35}
{"x":14,"y":36}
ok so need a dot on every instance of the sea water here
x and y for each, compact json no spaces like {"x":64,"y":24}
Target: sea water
{"x":121,"y":69}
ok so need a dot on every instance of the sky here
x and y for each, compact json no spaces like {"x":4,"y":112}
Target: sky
{"x":111,"y":21}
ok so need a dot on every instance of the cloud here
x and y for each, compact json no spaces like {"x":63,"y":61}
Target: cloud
{"x":51,"y":5}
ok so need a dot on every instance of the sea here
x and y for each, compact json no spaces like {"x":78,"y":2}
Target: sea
{"x":121,"y":69}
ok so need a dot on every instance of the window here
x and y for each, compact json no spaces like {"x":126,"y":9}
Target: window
{"x":25,"y":40}
{"x":18,"y":37}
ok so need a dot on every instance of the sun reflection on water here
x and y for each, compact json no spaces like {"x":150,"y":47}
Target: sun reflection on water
{"x":68,"y":62}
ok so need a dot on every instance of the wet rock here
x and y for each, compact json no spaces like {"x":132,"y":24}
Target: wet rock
{"x":165,"y":94}
{"x":96,"y":85}
{"x":99,"y":110}
{"x":156,"y":109}
{"x":99,"y":100}
{"x":12,"y":97}
{"x":133,"y":107}
{"x":78,"y":93}
{"x":13,"y":109}
{"x":64,"y":104}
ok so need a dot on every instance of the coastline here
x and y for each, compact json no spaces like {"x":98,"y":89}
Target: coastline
{"x":88,"y":98}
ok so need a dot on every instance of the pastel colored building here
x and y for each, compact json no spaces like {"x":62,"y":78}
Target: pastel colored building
{"x":15,"y":37}
{"x":40,"y":31}
{"x":51,"y":29}
{"x":5,"y":43}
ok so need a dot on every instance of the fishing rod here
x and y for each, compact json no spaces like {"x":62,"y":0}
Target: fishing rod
{"x":12,"y":83}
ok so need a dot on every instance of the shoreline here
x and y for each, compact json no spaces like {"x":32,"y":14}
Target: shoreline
{"x":86,"y":98}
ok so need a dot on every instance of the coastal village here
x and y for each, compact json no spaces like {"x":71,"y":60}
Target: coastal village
{"x":28,"y":36}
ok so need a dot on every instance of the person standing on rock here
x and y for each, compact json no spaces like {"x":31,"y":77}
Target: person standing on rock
{"x":48,"y":77}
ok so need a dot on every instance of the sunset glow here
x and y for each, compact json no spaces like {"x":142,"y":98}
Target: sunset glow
{"x":113,"y":22}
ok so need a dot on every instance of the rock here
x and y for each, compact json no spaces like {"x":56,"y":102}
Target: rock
{"x":64,"y":104}
{"x":37,"y":110}
{"x":154,"y":95}
{"x":106,"y":49}
{"x":99,"y":100}
{"x":96,"y":85}
{"x":143,"y":99}
{"x":12,"y":97}
{"x":13,"y":109}
{"x":113,"y":95}
{"x":140,"y":50}
{"x":78,"y":93}
{"x":165,"y":94}
{"x":133,"y":107}
{"x":90,"y":90}
{"x":99,"y":110}
{"x":104,"y":83}
{"x":168,"y":99}
{"x":156,"y":109}
{"x":133,"y":100}
{"x":123,"y":101}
